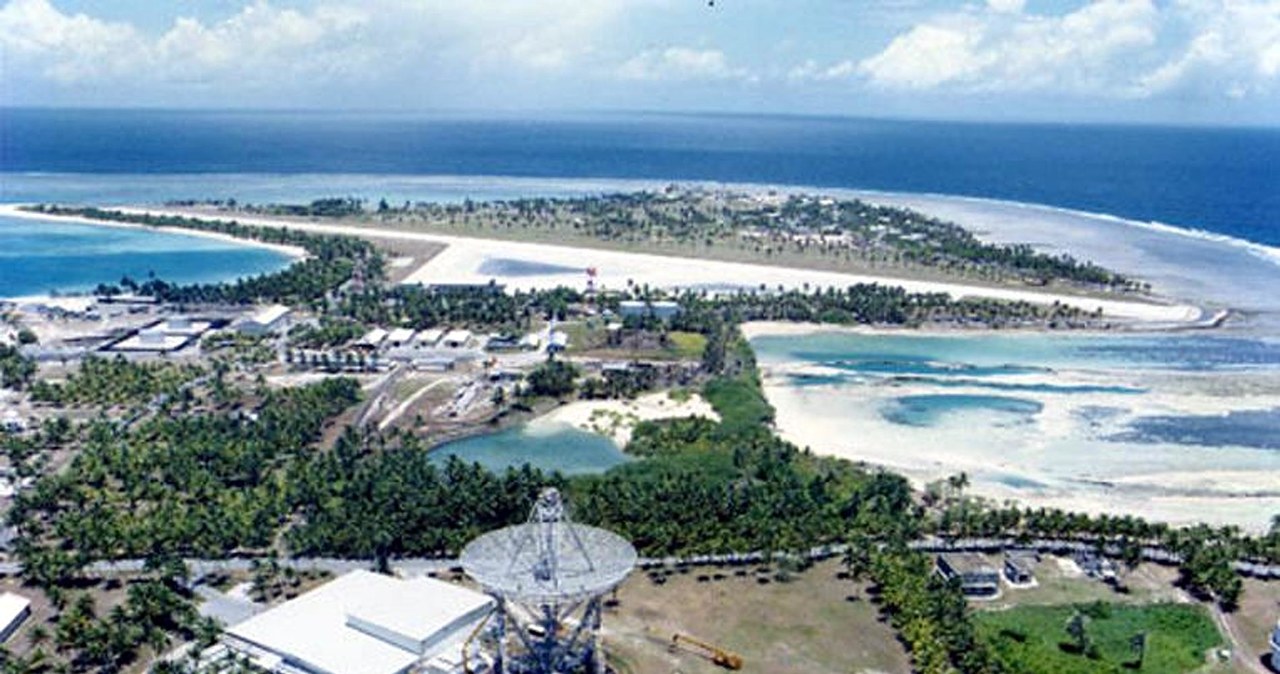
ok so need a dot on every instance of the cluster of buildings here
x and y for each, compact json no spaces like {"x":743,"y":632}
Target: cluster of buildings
{"x":979,"y":579}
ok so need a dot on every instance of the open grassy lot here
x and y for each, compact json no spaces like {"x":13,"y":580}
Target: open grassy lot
{"x":1036,"y":638}
{"x":806,"y":624}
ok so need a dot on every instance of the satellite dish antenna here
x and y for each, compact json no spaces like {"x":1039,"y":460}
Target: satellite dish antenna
{"x":549,"y":576}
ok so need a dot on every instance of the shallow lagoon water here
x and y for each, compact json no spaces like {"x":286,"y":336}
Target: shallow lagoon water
{"x":926,"y":410}
{"x":39,"y":257}
{"x":549,"y":447}
{"x":1085,"y":421}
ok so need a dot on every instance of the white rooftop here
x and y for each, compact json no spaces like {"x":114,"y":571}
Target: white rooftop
{"x":270,"y":314}
{"x":400,"y":335}
{"x":374,"y":337}
{"x":458,"y":336}
{"x":366,"y":623}
{"x":430,"y":336}
{"x":12,"y":608}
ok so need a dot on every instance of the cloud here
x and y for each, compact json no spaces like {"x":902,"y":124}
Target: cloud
{"x":1079,"y":52}
{"x":81,"y":46}
{"x":1235,"y":49}
{"x":1108,"y":48}
{"x":1006,"y":6}
{"x":681,"y":63}
{"x":263,"y":44}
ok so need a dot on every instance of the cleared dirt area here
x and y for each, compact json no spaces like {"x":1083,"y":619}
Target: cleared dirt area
{"x":1256,"y":617}
{"x":807,"y":624}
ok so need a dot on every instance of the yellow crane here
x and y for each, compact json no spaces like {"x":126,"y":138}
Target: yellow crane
{"x":715,"y":654}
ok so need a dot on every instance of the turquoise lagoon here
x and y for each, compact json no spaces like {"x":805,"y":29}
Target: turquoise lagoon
{"x":549,"y":447}
{"x":42,"y":257}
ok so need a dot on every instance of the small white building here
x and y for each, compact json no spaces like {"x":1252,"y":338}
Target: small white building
{"x":372,"y":339}
{"x":399,"y":337}
{"x":364,"y":623}
{"x":14,"y":610}
{"x":457,"y":339}
{"x":266,"y":321}
{"x":428,"y":339}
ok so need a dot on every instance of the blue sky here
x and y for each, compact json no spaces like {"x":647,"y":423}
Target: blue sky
{"x":1178,"y":61}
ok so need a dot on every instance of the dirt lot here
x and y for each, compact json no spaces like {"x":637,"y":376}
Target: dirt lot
{"x":1256,"y":618}
{"x":805,"y":625}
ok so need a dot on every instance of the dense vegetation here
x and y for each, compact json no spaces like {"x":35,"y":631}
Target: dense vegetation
{"x":181,"y":484}
{"x":873,"y":304}
{"x":16,"y":370}
{"x":553,"y":378}
{"x":931,"y":615}
{"x":116,"y":381}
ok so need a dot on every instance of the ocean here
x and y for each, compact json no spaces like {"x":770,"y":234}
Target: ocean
{"x":1221,"y":180}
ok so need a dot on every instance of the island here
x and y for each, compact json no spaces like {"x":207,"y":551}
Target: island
{"x":167,"y":444}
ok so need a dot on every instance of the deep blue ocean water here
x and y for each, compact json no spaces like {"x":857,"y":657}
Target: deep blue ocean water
{"x":1222,"y":180}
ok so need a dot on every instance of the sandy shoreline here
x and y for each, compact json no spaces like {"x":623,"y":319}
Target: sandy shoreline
{"x":754,"y":329}
{"x":616,"y":419}
{"x":463,"y":259}
{"x":15,"y":211}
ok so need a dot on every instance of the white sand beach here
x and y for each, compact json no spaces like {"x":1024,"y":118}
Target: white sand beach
{"x":616,"y":419}
{"x":534,"y":265}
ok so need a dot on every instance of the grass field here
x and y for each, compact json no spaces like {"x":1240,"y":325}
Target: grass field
{"x":687,"y":345}
{"x":1036,"y":640}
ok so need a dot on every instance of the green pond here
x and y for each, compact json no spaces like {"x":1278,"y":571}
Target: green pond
{"x":549,"y":447}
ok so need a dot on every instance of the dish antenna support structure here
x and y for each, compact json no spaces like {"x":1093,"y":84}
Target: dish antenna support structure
{"x":548,"y":577}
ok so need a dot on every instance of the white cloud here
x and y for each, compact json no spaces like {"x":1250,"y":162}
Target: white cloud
{"x":1113,"y":48}
{"x":810,"y":70}
{"x":1079,"y":52}
{"x":1006,"y":6}
{"x":1235,"y":49}
{"x":33,"y":30}
{"x":681,"y":63}
{"x":263,"y":44}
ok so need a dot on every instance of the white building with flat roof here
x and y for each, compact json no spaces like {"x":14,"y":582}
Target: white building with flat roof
{"x":14,"y":610}
{"x":265,"y":321}
{"x":457,"y":339}
{"x":373,"y":338}
{"x":399,"y":337}
{"x":363,"y":623}
{"x":429,"y":338}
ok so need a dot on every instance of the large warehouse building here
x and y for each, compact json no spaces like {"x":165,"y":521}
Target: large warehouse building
{"x":363,"y":623}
